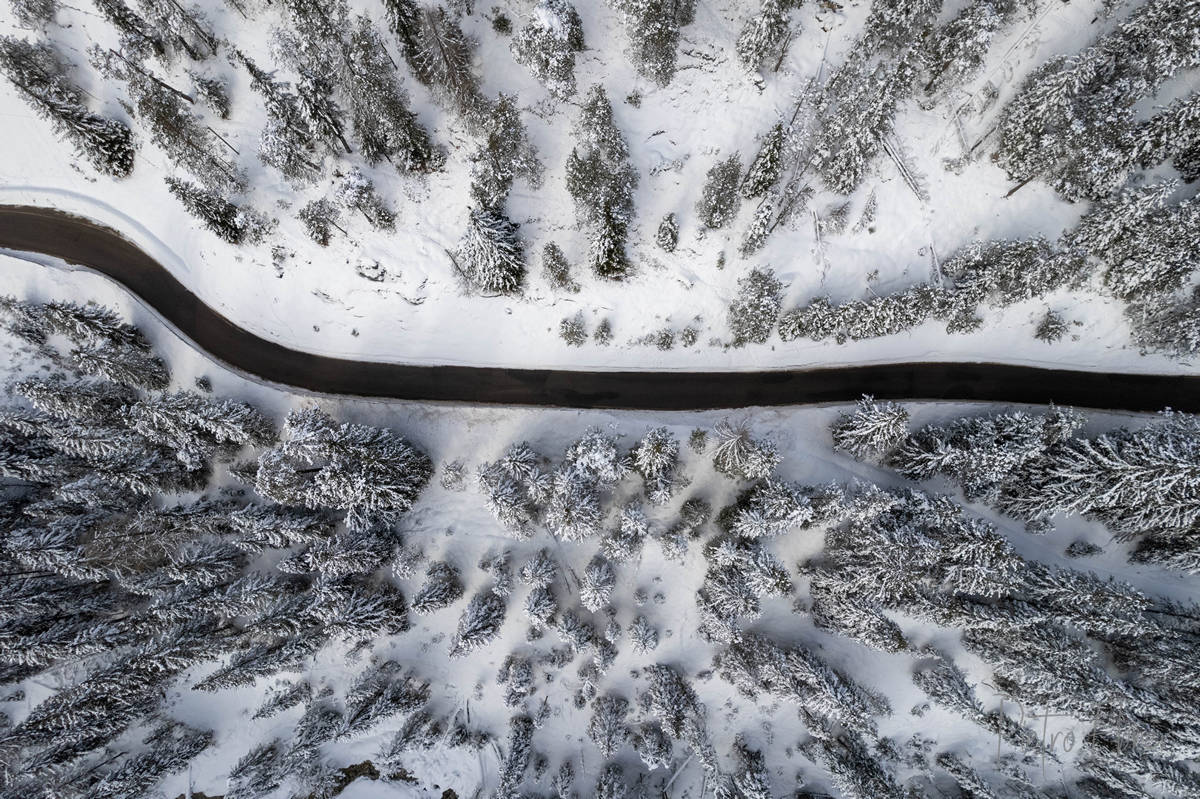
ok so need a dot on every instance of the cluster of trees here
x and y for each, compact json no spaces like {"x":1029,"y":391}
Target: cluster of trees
{"x":1140,"y":483}
{"x":1058,"y":639}
{"x":40,"y":76}
{"x":1073,"y":122}
{"x":119,"y":568}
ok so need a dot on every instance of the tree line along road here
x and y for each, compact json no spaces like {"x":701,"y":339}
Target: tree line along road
{"x":79,"y":241}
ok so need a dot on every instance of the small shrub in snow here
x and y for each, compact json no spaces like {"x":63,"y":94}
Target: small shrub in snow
{"x":573,"y":331}
{"x":1051,"y":328}
{"x":667,"y":236}
{"x":603,"y":334}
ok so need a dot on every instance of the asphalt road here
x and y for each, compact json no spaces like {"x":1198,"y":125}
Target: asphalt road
{"x":80,"y":241}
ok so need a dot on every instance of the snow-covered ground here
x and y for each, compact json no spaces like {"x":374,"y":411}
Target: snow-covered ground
{"x":318,"y":301}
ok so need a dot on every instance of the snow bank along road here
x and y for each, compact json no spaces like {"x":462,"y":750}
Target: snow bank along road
{"x":75,"y":240}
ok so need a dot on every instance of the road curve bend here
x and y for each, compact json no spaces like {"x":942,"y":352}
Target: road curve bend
{"x":83,"y":242}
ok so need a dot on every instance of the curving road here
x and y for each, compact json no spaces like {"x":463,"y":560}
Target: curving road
{"x":80,"y":241}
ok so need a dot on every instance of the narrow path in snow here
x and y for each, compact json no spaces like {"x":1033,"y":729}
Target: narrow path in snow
{"x":54,"y":233}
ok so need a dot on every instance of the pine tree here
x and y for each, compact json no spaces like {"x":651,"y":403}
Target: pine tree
{"x":642,"y":635}
{"x":479,"y":623}
{"x":357,"y":191}
{"x":754,"y":312}
{"x":767,"y":164}
{"x":738,"y":455}
{"x":137,"y":36}
{"x":505,"y":154}
{"x":319,"y":217}
{"x":957,"y":49}
{"x":599,"y":579}
{"x":656,"y":458}
{"x":547,"y":44}
{"x":442,"y":588}
{"x":607,"y":727}
{"x":440,"y":55}
{"x":872,"y":431}
{"x":601,"y":181}
{"x":289,"y":696}
{"x":228,"y":221}
{"x":380,"y":692}
{"x":490,"y":255}
{"x":653,"y":29}
{"x":34,"y":13}
{"x":763,"y":34}
{"x":372,"y":473}
{"x":286,"y":141}
{"x":257,"y":773}
{"x":718,"y":202}
{"x":123,"y":365}
{"x":540,"y":570}
{"x":772,"y":508}
{"x":380,"y":118}
{"x":667,"y":236}
{"x":40,"y":77}
{"x":515,"y":763}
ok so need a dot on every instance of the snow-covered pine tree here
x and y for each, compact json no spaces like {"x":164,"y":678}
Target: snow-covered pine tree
{"x":958,"y":48}
{"x":771,"y":508}
{"x":540,"y":570}
{"x":753,"y":313}
{"x":872,"y":431}
{"x":490,"y":255}
{"x":36,"y":71}
{"x":257,"y":773}
{"x":547,"y":44}
{"x":738,"y":455}
{"x":357,"y":191}
{"x":480,"y":623}
{"x":653,"y":29}
{"x":597,"y":585}
{"x":34,"y":13}
{"x":230,"y":222}
{"x":371,"y":473}
{"x":442,"y":57}
{"x":285,"y":698}
{"x":137,"y":35}
{"x":383,"y":124}
{"x":667,"y":236}
{"x":601,"y":180}
{"x":768,"y":162}
{"x":515,"y":763}
{"x":764,"y":34}
{"x":504,"y":155}
{"x":656,"y":458}
{"x":286,"y":141}
{"x":642,"y":635}
{"x":625,"y":543}
{"x":381,"y":692}
{"x":718,"y":203}
{"x":442,"y":587}
{"x":128,"y":366}
{"x":607,"y":727}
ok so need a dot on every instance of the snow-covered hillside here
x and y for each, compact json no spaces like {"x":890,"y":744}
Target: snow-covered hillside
{"x":929,"y":189}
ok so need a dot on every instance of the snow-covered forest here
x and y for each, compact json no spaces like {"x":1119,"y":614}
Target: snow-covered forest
{"x":215,"y":588}
{"x":205,"y":596}
{"x":638,"y":182}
